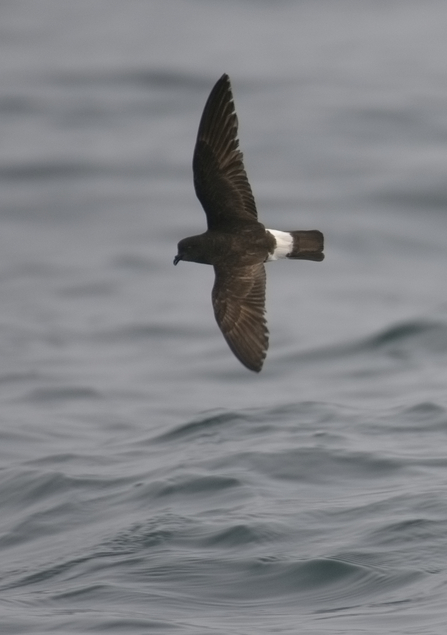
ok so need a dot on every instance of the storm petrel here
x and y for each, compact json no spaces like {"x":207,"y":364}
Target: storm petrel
{"x":236,"y":243}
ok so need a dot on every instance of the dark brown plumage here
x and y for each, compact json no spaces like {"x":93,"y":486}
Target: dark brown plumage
{"x":236,"y":244}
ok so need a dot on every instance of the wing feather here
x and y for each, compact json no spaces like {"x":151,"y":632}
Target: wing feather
{"x":239,"y":306}
{"x":220,"y":179}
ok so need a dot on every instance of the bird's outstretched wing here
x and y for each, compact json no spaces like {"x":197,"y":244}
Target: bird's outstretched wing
{"x":239,"y":306}
{"x":220,"y":179}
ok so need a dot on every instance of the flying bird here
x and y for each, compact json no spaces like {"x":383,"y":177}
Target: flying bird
{"x":236,"y":243}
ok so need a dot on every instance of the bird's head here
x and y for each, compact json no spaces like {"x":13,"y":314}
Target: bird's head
{"x":191,"y":249}
{"x":182,"y":252}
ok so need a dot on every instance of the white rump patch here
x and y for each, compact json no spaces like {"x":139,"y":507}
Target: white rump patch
{"x":284,"y":244}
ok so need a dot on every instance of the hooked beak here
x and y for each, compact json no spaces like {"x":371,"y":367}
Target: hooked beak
{"x":177,"y":259}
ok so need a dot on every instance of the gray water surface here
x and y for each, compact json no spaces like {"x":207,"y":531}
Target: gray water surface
{"x":148,"y":482}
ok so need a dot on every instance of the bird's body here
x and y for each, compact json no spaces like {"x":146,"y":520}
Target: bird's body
{"x":236,"y":243}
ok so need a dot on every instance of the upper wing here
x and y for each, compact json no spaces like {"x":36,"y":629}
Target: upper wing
{"x":239,"y":306}
{"x":220,"y":179}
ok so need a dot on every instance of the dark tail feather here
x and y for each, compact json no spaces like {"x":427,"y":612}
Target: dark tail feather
{"x":307,"y":245}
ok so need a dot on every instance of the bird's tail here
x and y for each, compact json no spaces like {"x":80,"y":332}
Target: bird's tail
{"x":307,"y":245}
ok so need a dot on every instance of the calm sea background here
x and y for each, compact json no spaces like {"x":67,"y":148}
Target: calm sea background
{"x":148,"y":482}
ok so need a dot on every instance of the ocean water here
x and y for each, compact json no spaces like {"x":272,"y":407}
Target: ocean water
{"x":148,"y":482}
